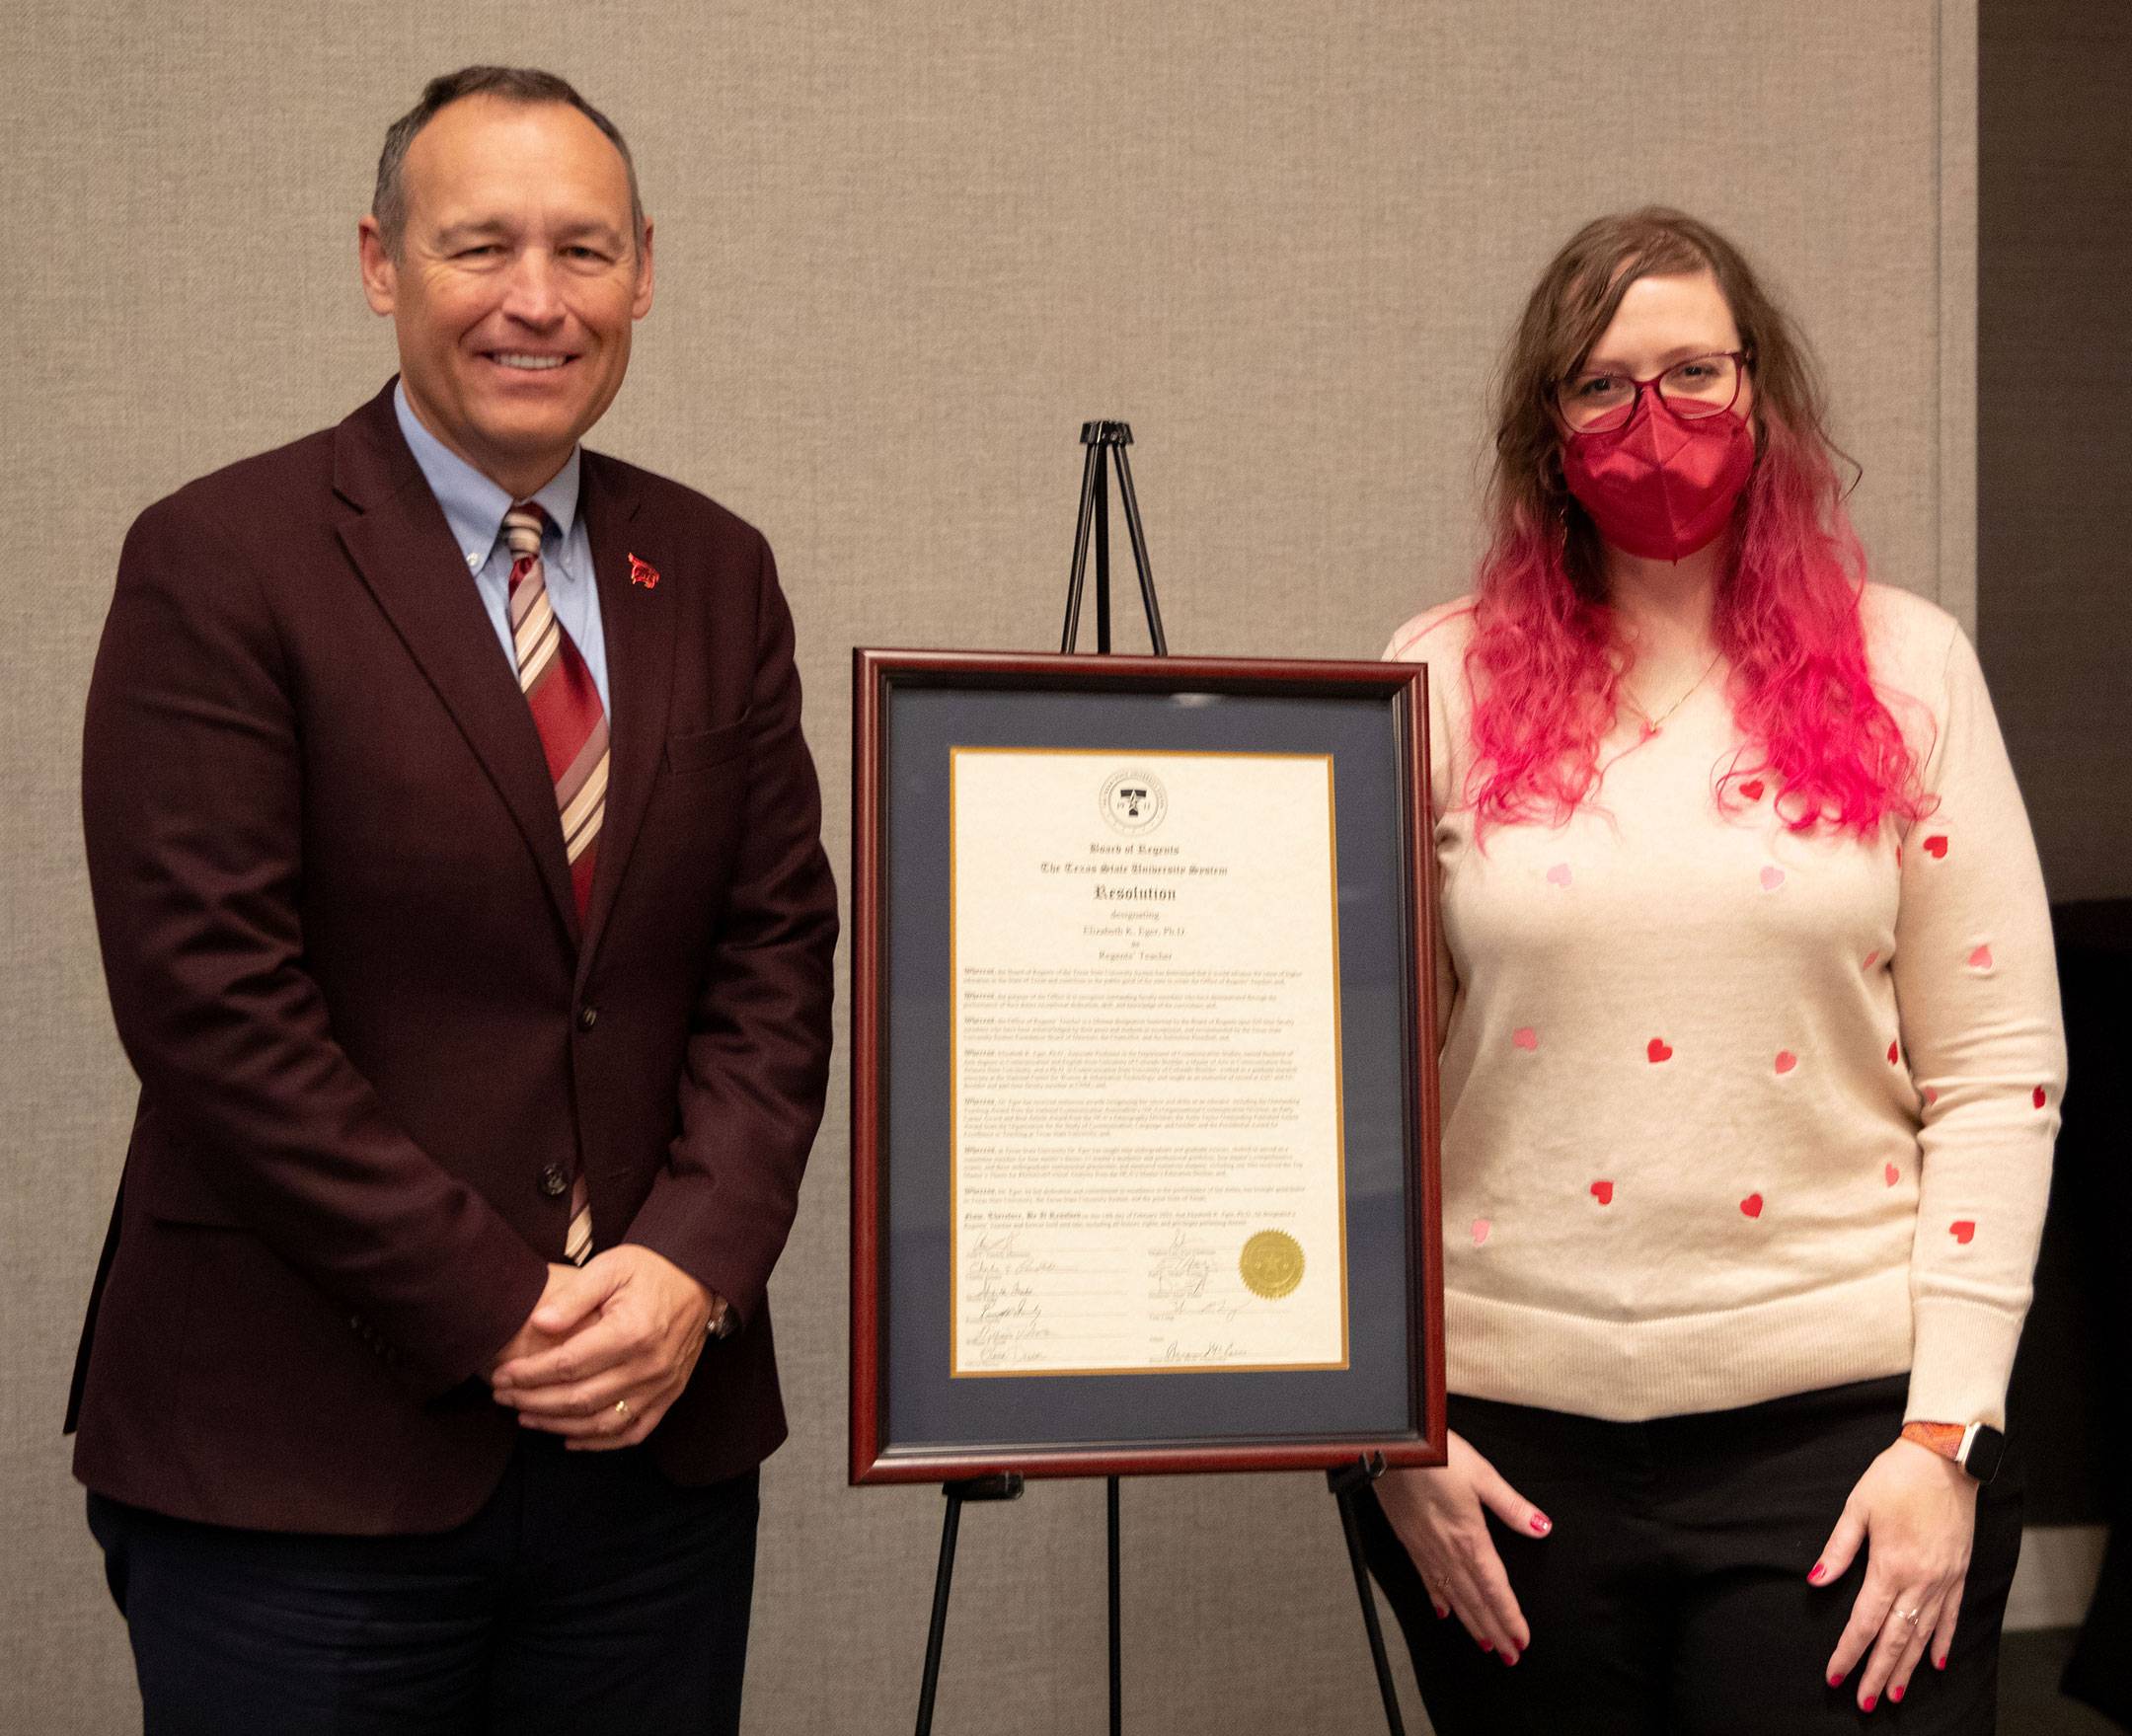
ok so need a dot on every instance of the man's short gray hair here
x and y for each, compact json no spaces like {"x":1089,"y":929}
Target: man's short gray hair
{"x":514,"y":84}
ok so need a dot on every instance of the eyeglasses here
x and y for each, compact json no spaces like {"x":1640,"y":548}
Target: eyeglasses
{"x":1701,"y":386}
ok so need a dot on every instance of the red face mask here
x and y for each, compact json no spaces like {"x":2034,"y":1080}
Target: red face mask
{"x":1660,"y":487}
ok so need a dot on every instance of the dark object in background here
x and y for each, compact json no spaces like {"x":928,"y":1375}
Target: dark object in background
{"x":2069,"y":1400}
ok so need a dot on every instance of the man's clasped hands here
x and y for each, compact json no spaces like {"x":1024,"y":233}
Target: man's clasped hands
{"x":607,"y":1348}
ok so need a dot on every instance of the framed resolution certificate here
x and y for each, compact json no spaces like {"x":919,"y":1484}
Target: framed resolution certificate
{"x":1144,"y":1109}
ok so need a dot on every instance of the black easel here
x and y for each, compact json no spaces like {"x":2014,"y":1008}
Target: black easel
{"x":1108,"y":440}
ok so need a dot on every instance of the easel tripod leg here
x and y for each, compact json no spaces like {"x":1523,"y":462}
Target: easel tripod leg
{"x":1082,"y":529}
{"x":1345,"y":1484}
{"x":1118,"y":1647}
{"x":942,"y":1576}
{"x":1155,"y":639}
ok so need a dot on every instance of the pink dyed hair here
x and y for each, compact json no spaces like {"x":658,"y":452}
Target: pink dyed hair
{"x":1546,"y":663}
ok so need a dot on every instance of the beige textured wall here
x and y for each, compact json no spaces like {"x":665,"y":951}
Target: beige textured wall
{"x":905,"y":251}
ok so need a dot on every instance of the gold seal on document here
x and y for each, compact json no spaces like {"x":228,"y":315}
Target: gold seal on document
{"x":1271,"y":1263}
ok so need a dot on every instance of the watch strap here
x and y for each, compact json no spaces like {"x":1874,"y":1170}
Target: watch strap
{"x":1943,"y":1438}
{"x":1976,"y":1446}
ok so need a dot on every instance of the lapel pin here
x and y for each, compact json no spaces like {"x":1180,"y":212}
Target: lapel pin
{"x":643,"y":572}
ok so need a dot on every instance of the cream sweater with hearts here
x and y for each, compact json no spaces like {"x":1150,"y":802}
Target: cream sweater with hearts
{"x":1731,"y":1113}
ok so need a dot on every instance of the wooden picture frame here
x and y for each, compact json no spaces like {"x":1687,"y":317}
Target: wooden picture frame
{"x":918,"y":1413}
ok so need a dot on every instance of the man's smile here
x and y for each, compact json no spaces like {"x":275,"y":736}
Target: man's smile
{"x":526,"y":361}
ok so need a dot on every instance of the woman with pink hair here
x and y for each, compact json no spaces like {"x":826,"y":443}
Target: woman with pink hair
{"x":1750,"y":1051}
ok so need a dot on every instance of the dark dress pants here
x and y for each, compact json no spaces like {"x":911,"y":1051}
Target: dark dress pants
{"x":588,"y":1594}
{"x":1672,"y":1596}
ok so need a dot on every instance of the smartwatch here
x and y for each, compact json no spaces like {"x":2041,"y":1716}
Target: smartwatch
{"x":1976,"y":1446}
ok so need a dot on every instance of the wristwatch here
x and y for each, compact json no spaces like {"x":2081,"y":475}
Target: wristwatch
{"x":1976,"y":1446}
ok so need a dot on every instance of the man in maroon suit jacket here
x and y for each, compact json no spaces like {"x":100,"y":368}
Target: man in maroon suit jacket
{"x":364,"y":1448}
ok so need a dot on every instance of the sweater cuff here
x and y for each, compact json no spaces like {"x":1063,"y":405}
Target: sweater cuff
{"x":1961,"y":1362}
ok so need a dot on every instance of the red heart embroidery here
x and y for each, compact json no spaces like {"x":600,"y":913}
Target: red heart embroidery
{"x":643,"y":572}
{"x":1936,"y":846}
{"x":1658,"y":1049}
{"x":1981,"y":958}
{"x":1480,"y":1229}
{"x":1526,"y":1038}
{"x":1892,"y":1173}
{"x":1603,"y":1192}
{"x":1751,"y":1205}
{"x":1785,"y":1059}
{"x":2037,"y":1097}
{"x":1772,"y":878}
{"x":1894,"y":1055}
{"x":1962,"y":1230}
{"x":1559,"y":875}
{"x":1751,"y":790}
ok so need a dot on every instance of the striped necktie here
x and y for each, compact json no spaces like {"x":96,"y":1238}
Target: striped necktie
{"x":573,"y":726}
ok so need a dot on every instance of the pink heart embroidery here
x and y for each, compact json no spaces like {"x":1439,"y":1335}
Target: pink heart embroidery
{"x":1894,"y":1055}
{"x":1658,"y":1049}
{"x":1751,"y":1205}
{"x":1772,"y":878}
{"x":1559,"y":875}
{"x":1932,"y":1094}
{"x":1526,"y":1038}
{"x":1872,"y":959}
{"x":2037,"y":1097}
{"x":1981,"y":958}
{"x":1603,"y":1192}
{"x":1785,"y":1059}
{"x":1892,"y":1175}
{"x":1751,"y":790}
{"x":1962,"y":1228}
{"x":1480,"y":1229}
{"x":1936,"y":847}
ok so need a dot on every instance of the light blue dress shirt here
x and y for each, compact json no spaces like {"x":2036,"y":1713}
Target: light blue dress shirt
{"x":473,"y":507}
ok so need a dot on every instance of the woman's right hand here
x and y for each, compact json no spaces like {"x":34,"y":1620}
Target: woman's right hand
{"x":1441,"y":1516}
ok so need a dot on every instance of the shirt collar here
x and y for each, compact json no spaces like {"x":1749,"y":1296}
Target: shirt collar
{"x":474,"y":504}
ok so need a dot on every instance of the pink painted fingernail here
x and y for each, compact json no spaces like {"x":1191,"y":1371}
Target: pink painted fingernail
{"x":1541,"y":1524}
{"x":1895,"y":1693}
{"x":1488,"y":1645}
{"x":1442,"y":1613}
{"x":1820,"y":1572}
{"x":1835,"y":1681}
{"x":1509,"y":1657}
{"x":1870,"y":1701}
{"x":1940,"y":1662}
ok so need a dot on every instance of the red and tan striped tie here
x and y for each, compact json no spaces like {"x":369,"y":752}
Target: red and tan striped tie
{"x":573,"y":726}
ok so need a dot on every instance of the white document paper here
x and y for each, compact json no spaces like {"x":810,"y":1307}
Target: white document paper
{"x":1148,"y":1169}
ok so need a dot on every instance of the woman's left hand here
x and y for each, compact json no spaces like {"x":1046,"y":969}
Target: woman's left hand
{"x":1916,"y":1514}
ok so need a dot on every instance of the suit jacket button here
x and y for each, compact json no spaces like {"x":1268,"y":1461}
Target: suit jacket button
{"x":554,"y":1181}
{"x":587,"y":1017}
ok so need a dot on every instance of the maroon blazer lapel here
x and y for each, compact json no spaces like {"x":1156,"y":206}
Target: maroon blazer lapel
{"x":638,"y":620}
{"x":403,"y":548}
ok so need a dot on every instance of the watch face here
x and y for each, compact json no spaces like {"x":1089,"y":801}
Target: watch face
{"x":1987,"y":1446}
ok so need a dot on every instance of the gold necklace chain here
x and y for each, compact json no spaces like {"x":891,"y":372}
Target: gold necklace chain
{"x":1651,"y":724}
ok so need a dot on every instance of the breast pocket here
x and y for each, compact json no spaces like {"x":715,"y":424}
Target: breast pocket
{"x":701,"y":749}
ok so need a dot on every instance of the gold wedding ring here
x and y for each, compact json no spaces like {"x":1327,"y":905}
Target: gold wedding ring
{"x":621,"y":1408}
{"x":1910,"y":1616}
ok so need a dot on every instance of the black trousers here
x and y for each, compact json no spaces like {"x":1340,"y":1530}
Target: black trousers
{"x":1672,"y":1596}
{"x":589,"y":1594}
